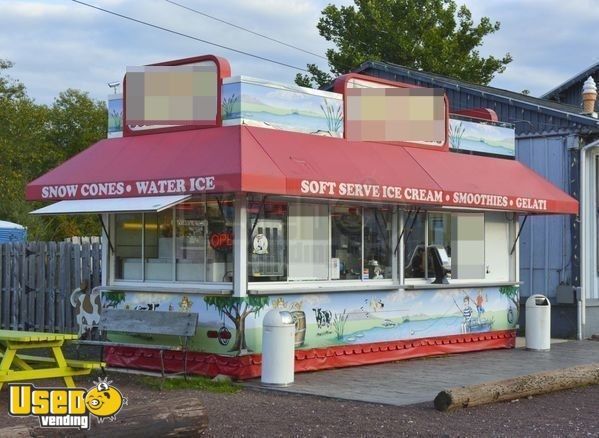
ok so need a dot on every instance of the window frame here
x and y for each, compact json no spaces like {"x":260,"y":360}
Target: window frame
{"x":162,"y":285}
{"x":511,"y":223}
{"x":398,"y":259}
{"x":330,"y":283}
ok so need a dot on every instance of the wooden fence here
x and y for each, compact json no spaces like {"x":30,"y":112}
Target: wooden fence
{"x":37,"y":279}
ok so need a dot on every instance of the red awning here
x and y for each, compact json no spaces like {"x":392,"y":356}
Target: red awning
{"x":507,"y":184}
{"x":183,"y":162}
{"x":249,"y":159}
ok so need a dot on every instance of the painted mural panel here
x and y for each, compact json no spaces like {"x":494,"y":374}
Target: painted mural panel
{"x":115,"y":115}
{"x":481,"y":137}
{"x":269,"y":104}
{"x":233,"y":326}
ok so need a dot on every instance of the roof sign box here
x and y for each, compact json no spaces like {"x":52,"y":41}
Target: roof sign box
{"x":381,"y":110}
{"x":396,"y":114}
{"x":182,"y":95}
{"x":174,"y":95}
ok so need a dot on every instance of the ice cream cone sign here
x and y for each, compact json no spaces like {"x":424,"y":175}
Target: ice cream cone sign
{"x":589,"y":95}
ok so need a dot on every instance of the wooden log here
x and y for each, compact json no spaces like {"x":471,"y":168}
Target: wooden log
{"x":518,"y":387}
{"x":174,"y":416}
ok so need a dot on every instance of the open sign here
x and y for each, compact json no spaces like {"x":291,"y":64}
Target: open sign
{"x":220,"y":241}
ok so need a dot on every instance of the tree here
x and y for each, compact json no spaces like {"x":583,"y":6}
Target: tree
{"x":10,"y":88}
{"x":76,"y":122}
{"x":431,"y":35}
{"x":35,"y":138}
{"x":24,"y":150}
{"x":237,"y":310}
{"x":512,"y":294}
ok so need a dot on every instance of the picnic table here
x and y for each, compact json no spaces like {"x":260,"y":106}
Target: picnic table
{"x":18,"y":367}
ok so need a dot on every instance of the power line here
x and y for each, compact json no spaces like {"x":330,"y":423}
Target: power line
{"x":246,"y":29}
{"x":155,"y":26}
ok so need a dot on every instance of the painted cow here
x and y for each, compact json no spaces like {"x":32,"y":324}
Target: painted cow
{"x":87,"y":308}
{"x":323,"y":317}
{"x":376,"y":304}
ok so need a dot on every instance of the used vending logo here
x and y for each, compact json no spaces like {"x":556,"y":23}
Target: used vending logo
{"x":66,"y":407}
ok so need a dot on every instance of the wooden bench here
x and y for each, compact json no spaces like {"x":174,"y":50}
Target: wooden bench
{"x":148,"y":323}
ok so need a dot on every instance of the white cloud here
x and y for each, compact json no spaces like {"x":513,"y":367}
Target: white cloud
{"x":60,"y":44}
{"x":550,"y":40}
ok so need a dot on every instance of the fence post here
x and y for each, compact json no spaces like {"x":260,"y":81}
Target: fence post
{"x":5,"y":250}
{"x":52,"y":289}
{"x":14,"y":289}
{"x":41,"y":289}
{"x":30,"y":250}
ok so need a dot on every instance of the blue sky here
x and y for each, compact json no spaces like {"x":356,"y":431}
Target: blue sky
{"x":59,"y":44}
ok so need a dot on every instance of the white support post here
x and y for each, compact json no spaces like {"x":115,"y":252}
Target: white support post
{"x":394,"y":235}
{"x":107,"y":257}
{"x":401,"y":250}
{"x":240,"y":247}
{"x":588,"y":211}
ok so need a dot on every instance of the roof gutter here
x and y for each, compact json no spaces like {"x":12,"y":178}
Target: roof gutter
{"x":588,"y":244}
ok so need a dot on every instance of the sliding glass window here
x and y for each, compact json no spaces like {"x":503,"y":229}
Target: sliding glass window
{"x":192,"y":242}
{"x":346,"y":243}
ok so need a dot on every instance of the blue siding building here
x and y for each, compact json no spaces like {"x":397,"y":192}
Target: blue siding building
{"x":569,"y":91}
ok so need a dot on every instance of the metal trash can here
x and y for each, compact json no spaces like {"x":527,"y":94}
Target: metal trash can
{"x":278,"y":348}
{"x":538,"y":323}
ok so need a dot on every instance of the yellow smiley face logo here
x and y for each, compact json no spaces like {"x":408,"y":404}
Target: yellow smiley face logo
{"x":104,"y":401}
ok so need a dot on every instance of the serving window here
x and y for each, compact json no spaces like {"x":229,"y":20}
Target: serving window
{"x":440,"y":246}
{"x":267,"y":240}
{"x":309,"y":249}
{"x":377,"y":243}
{"x":346,"y":243}
{"x":294,"y":240}
{"x":299,"y":241}
{"x":189,"y":243}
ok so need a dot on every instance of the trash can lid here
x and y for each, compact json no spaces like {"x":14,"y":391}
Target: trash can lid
{"x":278,"y":318}
{"x":537,"y":300}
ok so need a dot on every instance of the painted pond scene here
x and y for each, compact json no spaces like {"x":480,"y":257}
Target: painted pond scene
{"x":233,"y":326}
{"x":268,"y":104}
{"x":480,"y":137}
{"x":115,"y":114}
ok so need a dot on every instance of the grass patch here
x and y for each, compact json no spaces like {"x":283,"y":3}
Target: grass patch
{"x":195,"y":382}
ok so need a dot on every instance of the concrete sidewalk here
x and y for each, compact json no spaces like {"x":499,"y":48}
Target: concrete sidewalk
{"x":413,"y":381}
